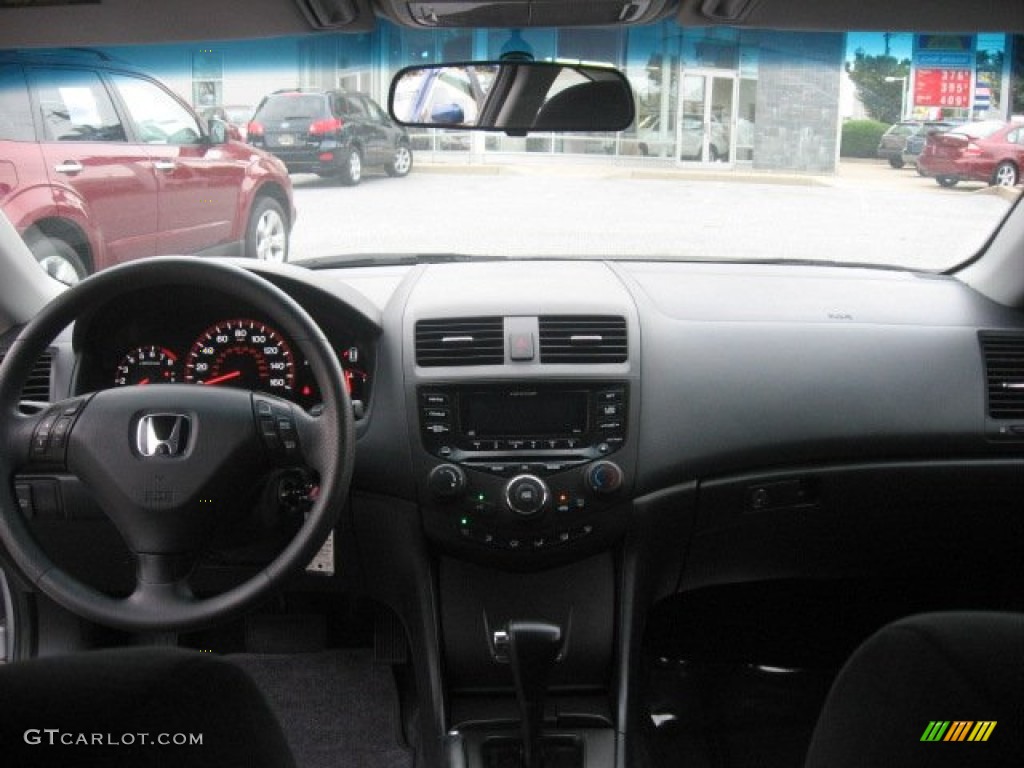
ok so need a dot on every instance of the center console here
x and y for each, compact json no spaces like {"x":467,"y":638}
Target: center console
{"x":524,"y":473}
{"x":522,"y":393}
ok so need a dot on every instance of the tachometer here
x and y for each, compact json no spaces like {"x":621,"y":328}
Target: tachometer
{"x":147,"y":365}
{"x":242,"y":353}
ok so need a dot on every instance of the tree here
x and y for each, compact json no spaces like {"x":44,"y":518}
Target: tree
{"x":881,"y":100}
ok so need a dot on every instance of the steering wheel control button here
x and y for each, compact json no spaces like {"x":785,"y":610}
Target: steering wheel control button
{"x":59,"y":435}
{"x":446,"y":481}
{"x":50,"y":436}
{"x":603,"y":477}
{"x":277,"y":429}
{"x":526,"y":495}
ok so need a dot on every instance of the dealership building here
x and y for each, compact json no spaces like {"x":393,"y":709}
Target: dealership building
{"x":747,"y":99}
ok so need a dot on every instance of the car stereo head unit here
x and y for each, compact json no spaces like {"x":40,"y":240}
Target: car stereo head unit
{"x":470,"y":422}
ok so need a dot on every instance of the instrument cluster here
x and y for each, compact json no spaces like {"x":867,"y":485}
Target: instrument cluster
{"x":242,"y":352}
{"x":170,"y":337}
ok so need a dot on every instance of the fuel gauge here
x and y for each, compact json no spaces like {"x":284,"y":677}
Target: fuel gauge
{"x":147,"y":365}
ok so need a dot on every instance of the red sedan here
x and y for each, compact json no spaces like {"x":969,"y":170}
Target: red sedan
{"x":989,"y":151}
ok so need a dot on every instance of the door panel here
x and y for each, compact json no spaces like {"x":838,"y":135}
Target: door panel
{"x":200,"y":183}
{"x":108,"y":179}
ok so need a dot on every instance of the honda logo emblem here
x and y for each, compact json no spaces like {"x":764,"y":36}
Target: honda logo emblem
{"x":163,"y":434}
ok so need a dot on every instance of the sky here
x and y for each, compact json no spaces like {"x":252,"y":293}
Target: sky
{"x":873,"y":43}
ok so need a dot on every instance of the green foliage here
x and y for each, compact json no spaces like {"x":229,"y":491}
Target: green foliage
{"x":860,"y":138}
{"x":881,"y":100}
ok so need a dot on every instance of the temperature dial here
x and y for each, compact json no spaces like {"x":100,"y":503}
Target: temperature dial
{"x":603,"y":477}
{"x":446,"y":481}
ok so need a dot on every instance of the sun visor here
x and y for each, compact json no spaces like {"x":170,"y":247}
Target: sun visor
{"x":838,"y":15}
{"x":337,"y":15}
{"x":525,"y":13}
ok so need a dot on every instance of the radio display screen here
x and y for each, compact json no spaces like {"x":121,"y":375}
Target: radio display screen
{"x":523,"y":413}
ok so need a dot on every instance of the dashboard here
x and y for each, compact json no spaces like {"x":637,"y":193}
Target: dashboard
{"x":520,"y":414}
{"x":592,"y":443}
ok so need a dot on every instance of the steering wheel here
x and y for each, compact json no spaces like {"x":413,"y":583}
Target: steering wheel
{"x":168,"y":462}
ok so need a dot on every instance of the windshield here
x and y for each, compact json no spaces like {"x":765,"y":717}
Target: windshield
{"x":747,"y":145}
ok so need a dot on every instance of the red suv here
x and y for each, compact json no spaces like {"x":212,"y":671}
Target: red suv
{"x":101,"y":164}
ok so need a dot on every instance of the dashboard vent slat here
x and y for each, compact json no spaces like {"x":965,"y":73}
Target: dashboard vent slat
{"x":1004,"y":369}
{"x":583,"y":339}
{"x":460,"y":341}
{"x":37,"y":387}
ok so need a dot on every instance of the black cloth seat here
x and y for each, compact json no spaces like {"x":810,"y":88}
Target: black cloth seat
{"x":932,"y":668}
{"x":92,"y":709}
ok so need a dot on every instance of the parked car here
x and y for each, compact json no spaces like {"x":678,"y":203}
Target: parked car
{"x":989,"y":151}
{"x":916,"y":141}
{"x":71,"y":122}
{"x":330,"y":133}
{"x":691,"y":139}
{"x":894,"y":141}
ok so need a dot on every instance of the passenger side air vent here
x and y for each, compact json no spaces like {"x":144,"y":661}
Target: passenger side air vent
{"x":1004,"y":369}
{"x":37,"y":387}
{"x":460,"y":341}
{"x":582,"y":339}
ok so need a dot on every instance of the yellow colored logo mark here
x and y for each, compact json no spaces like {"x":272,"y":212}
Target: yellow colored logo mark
{"x":958,"y":730}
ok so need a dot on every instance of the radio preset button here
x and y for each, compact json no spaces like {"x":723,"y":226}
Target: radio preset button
{"x":435,"y":399}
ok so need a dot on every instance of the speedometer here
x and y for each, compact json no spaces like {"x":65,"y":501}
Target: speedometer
{"x":242,"y":353}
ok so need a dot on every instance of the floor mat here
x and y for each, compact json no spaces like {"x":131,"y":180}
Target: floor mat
{"x":338,"y":709}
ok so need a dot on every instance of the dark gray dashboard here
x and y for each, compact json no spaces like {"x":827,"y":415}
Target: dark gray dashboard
{"x":760,"y":372}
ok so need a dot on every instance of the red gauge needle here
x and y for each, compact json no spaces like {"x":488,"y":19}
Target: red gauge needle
{"x":144,"y":381}
{"x":221,"y":379}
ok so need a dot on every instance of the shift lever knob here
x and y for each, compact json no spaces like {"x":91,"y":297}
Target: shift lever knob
{"x":533,"y":650}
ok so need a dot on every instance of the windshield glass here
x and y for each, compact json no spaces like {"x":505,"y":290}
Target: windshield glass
{"x":753,"y":145}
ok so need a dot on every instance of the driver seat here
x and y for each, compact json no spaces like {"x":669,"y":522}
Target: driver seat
{"x":113,"y":708}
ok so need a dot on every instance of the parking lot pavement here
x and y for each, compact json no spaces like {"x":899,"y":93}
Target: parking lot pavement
{"x":866,"y":213}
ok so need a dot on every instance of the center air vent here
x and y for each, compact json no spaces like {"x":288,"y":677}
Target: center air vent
{"x":460,"y":341}
{"x":582,"y":339}
{"x":37,"y":387}
{"x":1004,"y":369}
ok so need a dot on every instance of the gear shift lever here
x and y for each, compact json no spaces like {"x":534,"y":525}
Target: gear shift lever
{"x":533,"y":650}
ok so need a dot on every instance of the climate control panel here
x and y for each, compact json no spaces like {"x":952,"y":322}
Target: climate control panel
{"x":522,"y":507}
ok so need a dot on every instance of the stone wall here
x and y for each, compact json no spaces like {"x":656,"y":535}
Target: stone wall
{"x":797,"y":121}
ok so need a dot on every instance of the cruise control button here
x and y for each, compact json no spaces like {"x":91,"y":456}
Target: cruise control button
{"x":59,"y":433}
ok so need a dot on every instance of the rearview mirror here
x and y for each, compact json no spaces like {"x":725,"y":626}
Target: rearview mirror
{"x":512,"y":96}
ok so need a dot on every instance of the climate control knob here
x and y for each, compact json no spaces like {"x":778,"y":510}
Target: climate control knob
{"x":446,"y":481}
{"x":526,"y":495}
{"x":603,"y":477}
